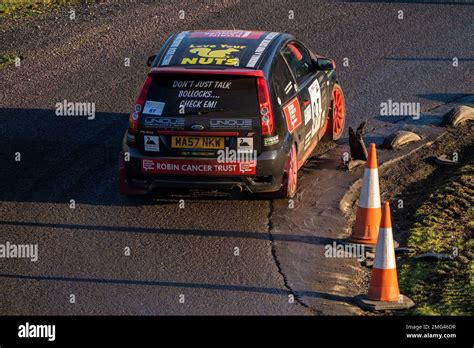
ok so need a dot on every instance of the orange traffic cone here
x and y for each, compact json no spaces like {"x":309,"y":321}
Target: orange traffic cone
{"x":368,"y":215}
{"x":383,"y":291}
{"x":384,"y":282}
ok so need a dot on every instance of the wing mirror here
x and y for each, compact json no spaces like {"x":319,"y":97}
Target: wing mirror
{"x":150,"y":60}
{"x":323,"y":64}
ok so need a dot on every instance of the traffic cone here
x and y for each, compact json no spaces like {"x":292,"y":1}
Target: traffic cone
{"x":384,"y":282}
{"x":383,"y":291}
{"x":368,"y":215}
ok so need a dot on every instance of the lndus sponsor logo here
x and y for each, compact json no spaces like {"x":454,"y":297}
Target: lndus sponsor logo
{"x":231,"y":123}
{"x":37,"y":331}
{"x":164,"y":122}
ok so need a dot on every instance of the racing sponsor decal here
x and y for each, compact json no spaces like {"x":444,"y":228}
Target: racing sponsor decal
{"x":165,"y":122}
{"x":238,"y":34}
{"x":173,"y":47}
{"x":307,"y":140}
{"x":221,"y":54}
{"x":271,"y":141}
{"x":153,"y":108}
{"x":185,"y":95}
{"x":260,"y":49}
{"x":152,"y":143}
{"x":244,"y":145}
{"x":315,"y":96}
{"x":292,"y":114}
{"x":288,"y":87}
{"x":199,"y":94}
{"x":307,"y":115}
{"x":197,"y":167}
{"x":240,"y":123}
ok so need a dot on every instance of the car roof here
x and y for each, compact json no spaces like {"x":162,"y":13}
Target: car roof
{"x":217,"y":49}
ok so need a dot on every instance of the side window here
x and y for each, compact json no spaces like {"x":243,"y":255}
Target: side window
{"x":282,"y":80}
{"x":299,"y":60}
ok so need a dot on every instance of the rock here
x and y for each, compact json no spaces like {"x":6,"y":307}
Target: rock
{"x":368,"y":263}
{"x":432,"y":257}
{"x":458,"y":115}
{"x":354,"y":164}
{"x":445,"y":161}
{"x":404,"y":250}
{"x":400,"y":138}
{"x":369,"y":255}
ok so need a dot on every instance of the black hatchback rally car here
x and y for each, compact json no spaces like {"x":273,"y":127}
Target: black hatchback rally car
{"x":230,"y":109}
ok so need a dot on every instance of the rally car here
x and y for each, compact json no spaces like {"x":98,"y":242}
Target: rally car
{"x":230,"y":109}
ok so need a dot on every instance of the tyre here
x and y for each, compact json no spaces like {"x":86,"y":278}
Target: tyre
{"x":290,"y":179}
{"x":123,"y":182}
{"x":337,"y":119}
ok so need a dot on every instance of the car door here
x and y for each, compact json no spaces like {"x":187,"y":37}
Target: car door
{"x":312,"y":92}
{"x":284,"y":87}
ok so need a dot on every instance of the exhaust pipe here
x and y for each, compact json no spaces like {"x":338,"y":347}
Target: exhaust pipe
{"x":237,"y":188}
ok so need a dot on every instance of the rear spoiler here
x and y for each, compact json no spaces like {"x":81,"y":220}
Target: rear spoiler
{"x":194,"y":71}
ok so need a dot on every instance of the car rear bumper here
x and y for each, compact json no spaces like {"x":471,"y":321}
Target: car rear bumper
{"x":267,"y":178}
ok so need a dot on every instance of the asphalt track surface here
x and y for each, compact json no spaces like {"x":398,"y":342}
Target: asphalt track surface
{"x":186,"y":251}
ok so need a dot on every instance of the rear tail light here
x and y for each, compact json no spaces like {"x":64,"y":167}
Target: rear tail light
{"x":266,"y":113}
{"x":138,"y":108}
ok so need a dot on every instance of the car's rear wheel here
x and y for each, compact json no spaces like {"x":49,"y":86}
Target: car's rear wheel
{"x":124,"y":185}
{"x":338,"y":113}
{"x":290,"y":178}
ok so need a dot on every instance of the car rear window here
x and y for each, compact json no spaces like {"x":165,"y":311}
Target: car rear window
{"x":178,"y":95}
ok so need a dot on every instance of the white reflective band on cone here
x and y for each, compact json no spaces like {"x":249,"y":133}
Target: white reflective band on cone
{"x":370,"y":193}
{"x":384,"y":251}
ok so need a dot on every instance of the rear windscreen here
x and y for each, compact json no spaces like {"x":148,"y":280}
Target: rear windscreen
{"x":178,"y":95}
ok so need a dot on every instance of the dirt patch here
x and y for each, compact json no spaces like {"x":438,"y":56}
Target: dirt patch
{"x":432,"y":212}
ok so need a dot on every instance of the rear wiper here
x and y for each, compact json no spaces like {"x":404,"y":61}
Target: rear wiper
{"x":203,"y":112}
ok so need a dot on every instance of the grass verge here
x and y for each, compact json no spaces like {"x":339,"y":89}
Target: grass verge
{"x":7,"y":60}
{"x":438,"y":217}
{"x":16,"y":9}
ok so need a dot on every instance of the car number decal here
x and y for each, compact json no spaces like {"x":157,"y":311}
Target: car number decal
{"x":153,"y":108}
{"x":315,"y":96}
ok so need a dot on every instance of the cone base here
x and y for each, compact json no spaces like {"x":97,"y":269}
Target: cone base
{"x":367,"y":241}
{"x":370,"y":305}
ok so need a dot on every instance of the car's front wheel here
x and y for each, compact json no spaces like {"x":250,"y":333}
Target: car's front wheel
{"x":338,"y":113}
